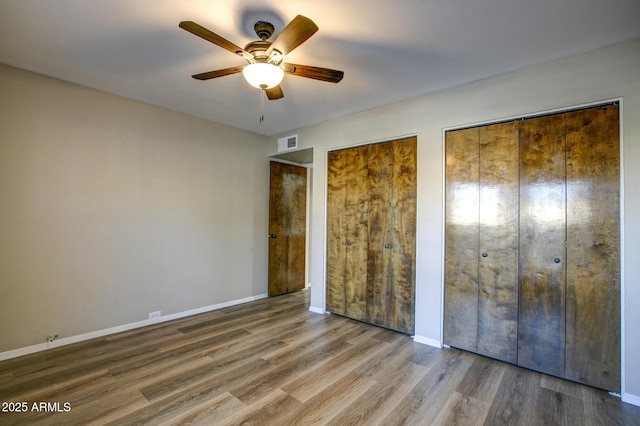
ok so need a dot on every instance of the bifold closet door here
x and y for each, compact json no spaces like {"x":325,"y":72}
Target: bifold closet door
{"x":498,"y":268}
{"x":392,"y":230}
{"x":462,"y":206}
{"x":544,"y":191}
{"x":481,"y":267}
{"x":371,"y":217}
{"x":347,"y":232}
{"x":541,"y":323}
{"x":593,"y":247}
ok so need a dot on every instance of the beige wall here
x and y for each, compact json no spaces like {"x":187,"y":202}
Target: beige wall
{"x":602,"y":74}
{"x":111,"y":209}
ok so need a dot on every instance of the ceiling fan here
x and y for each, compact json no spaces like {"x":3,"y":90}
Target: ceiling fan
{"x":265,"y":60}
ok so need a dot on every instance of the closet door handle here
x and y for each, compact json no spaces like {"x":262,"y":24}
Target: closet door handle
{"x":387,"y":246}
{"x":556,"y":260}
{"x":485,"y":255}
{"x":348,"y":243}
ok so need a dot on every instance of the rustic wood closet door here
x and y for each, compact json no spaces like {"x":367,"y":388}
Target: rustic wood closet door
{"x":371,"y":203}
{"x":287,"y":227}
{"x":392,"y":231}
{"x":380,"y":291}
{"x":347,"y":232}
{"x":593,"y":247}
{"x":541,"y":332}
{"x":481,"y":266}
{"x":462,"y":244}
{"x":544,"y":191}
{"x":498,"y":234}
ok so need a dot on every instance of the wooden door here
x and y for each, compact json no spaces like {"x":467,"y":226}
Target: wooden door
{"x":498,"y":241}
{"x":541,"y":320}
{"x":392,"y":230}
{"x":593,"y":247}
{"x":462,"y":205}
{"x":546,"y":191}
{"x":371,"y":233}
{"x":481,"y":268}
{"x":287,"y":227}
{"x":347,"y":232}
{"x":380,"y":284}
{"x":403,"y":235}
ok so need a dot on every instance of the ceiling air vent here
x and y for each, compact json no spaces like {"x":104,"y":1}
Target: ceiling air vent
{"x":287,"y":143}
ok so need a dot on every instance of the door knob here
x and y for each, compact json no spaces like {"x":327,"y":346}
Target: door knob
{"x":271,"y":235}
{"x":348,"y":243}
{"x":386,"y":246}
{"x":557,"y":260}
{"x":485,"y":255}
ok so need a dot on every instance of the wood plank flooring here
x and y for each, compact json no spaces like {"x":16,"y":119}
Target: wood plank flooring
{"x":272,"y":362}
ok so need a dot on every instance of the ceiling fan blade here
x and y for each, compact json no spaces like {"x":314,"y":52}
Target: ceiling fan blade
{"x":317,"y":73}
{"x":293,"y":35}
{"x":218,"y":73}
{"x":275,"y":93}
{"x":212,"y":37}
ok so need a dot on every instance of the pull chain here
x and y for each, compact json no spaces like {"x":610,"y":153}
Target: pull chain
{"x":262,"y":92}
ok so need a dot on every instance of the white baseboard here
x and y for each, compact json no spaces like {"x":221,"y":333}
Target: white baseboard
{"x":120,"y":328}
{"x":631,"y":399}
{"x":316,"y":310}
{"x":427,"y":341}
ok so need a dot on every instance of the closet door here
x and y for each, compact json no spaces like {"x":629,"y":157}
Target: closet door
{"x":347,"y":232}
{"x":498,"y":242}
{"x":481,"y":269}
{"x":392,"y":230}
{"x":403,"y":235}
{"x":379,"y":268}
{"x":593,"y":247}
{"x":371,"y":199}
{"x":462,"y":204}
{"x":541,"y":322}
{"x":545,"y":191}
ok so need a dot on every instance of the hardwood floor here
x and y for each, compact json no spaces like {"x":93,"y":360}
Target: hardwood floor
{"x":274,"y":362}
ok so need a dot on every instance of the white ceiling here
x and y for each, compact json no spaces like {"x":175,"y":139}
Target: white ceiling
{"x":388,"y":50}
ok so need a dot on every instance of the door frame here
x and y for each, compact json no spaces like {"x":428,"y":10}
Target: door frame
{"x":558,"y":110}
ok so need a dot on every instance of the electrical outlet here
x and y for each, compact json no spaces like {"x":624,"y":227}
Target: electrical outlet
{"x":155,"y":315}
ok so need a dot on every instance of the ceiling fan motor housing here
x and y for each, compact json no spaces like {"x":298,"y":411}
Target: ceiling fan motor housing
{"x":264,"y":29}
{"x":258,"y":49}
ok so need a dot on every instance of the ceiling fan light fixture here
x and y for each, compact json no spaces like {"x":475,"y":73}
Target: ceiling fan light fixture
{"x":263,"y":75}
